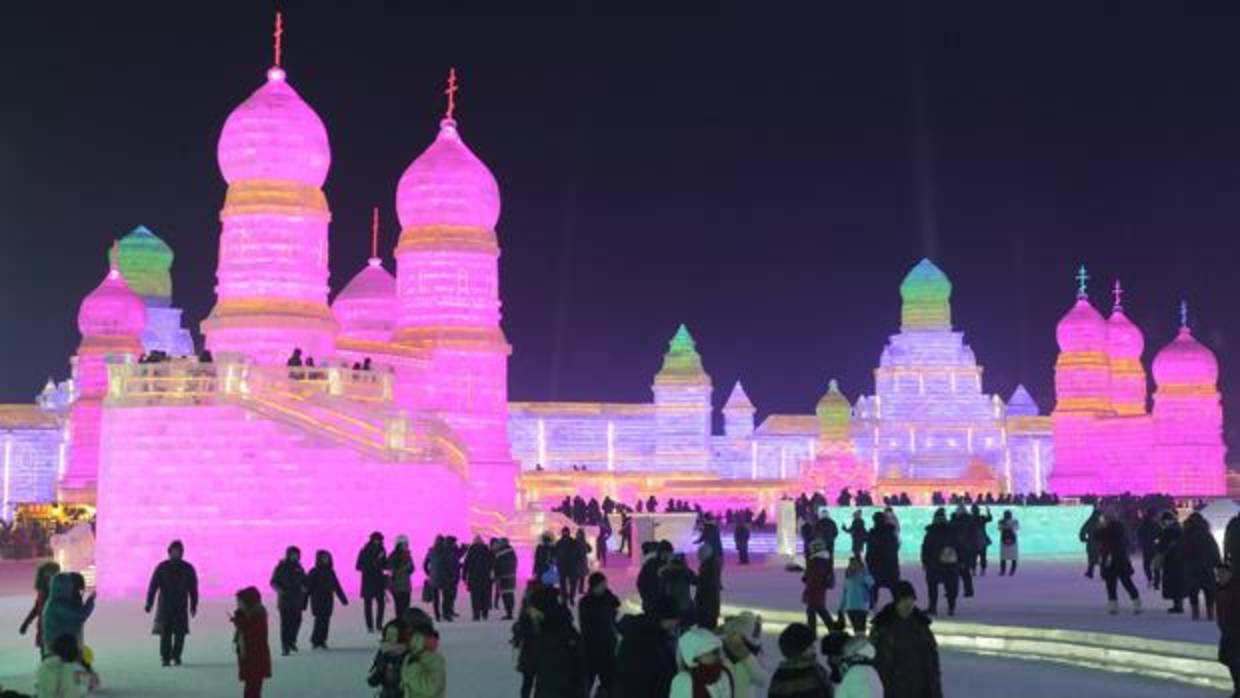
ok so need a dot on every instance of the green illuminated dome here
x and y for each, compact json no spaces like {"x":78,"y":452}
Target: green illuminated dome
{"x":146,"y":262}
{"x":681,"y":362}
{"x":834,"y":413}
{"x":927,"y":294}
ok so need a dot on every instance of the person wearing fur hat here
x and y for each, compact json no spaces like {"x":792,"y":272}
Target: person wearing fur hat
{"x":646,"y":657}
{"x":425,"y":674}
{"x":709,"y":586}
{"x":851,"y":659}
{"x":817,"y":579}
{"x":324,"y":588}
{"x":799,"y":675}
{"x":742,"y":647}
{"x":250,"y":641}
{"x":702,"y":671}
{"x":906,"y":653}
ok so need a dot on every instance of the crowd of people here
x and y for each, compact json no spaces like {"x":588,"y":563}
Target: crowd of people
{"x":26,"y":537}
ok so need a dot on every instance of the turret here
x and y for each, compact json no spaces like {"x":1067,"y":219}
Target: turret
{"x":1123,"y":348}
{"x":145,"y":261}
{"x":682,"y":403}
{"x":738,"y":414}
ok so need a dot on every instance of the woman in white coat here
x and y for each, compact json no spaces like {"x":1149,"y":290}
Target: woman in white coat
{"x":1009,"y":545}
{"x":701,"y":667}
{"x":852,"y":667}
{"x":742,"y":649}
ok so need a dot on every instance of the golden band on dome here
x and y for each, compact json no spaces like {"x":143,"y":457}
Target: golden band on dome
{"x":1127,"y":367}
{"x":370,"y":346}
{"x":1083,"y":404}
{"x":1082,"y":359}
{"x":275,"y":197}
{"x":244,"y":312}
{"x":1186,"y":390}
{"x":447,"y":237}
{"x":110,"y":344}
{"x":485,"y":338}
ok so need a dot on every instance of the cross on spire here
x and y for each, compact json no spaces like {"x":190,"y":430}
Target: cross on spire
{"x":1184,"y":315}
{"x":374,"y":233}
{"x":1082,"y":277}
{"x":1117,"y":292}
{"x":451,"y":92}
{"x":278,"y":38}
{"x":114,"y":259}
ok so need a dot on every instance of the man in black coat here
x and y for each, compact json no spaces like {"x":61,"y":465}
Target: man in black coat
{"x":567,"y":557}
{"x":654,"y":557}
{"x":1147,"y":539}
{"x":709,"y":586}
{"x":646,"y":657}
{"x":289,"y":582}
{"x":452,"y":554}
{"x":176,"y":583}
{"x":323,"y":587}
{"x":882,"y":557}
{"x":966,"y":547}
{"x":372,"y":563}
{"x":740,"y":536}
{"x":506,"y":575}
{"x":596,"y":613}
{"x":906,"y":653}
{"x":941,"y":562}
{"x":479,"y":566}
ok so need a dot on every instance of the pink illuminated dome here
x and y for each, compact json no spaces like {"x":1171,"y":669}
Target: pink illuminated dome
{"x":112,"y":309}
{"x":1185,"y":361}
{"x":448,"y":185}
{"x":366,"y":307}
{"x":1124,"y":339}
{"x":274,"y":135}
{"x":1083,"y":328}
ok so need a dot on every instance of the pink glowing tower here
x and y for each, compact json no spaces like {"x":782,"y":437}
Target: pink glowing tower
{"x":1188,"y":417}
{"x":111,"y":320}
{"x":447,"y":302}
{"x":272,"y":274}
{"x":367,"y":304}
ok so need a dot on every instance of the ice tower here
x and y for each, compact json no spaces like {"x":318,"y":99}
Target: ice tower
{"x":145,"y":261}
{"x":1188,"y":418}
{"x":366,"y":307}
{"x":682,"y":394}
{"x":271,"y":290}
{"x":447,"y":302}
{"x":835,"y":464}
{"x":111,"y":319}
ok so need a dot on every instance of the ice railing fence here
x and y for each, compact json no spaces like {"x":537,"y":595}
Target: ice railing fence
{"x":187,"y":379}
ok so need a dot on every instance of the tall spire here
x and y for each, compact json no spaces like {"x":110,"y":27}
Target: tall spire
{"x":1082,"y":278}
{"x":114,"y":270}
{"x":277,"y":38}
{"x":374,"y":236}
{"x":1117,"y":293}
{"x":450,"y":90}
{"x":1183,"y":315}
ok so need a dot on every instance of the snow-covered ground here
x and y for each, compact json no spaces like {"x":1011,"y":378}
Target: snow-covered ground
{"x":480,"y":662}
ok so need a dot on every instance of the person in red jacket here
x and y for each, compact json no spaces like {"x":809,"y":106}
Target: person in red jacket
{"x":1227,"y":614}
{"x":817,"y":579}
{"x":250,"y":641}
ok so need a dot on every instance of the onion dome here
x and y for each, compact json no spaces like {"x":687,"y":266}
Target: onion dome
{"x":1185,"y":361}
{"x":448,"y":185}
{"x":926,"y":293}
{"x":738,"y":400}
{"x":112,"y":309}
{"x":1082,"y":329}
{"x":146,"y":263}
{"x":1021,"y":404}
{"x":834,"y":413}
{"x":1124,"y":339}
{"x":274,"y":135}
{"x":366,"y":307}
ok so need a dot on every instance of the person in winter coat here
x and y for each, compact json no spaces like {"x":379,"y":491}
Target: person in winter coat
{"x":1201,"y":557}
{"x":702,"y":670}
{"x":65,"y":613}
{"x":176,"y":584}
{"x":479,"y":567}
{"x":289,"y":582}
{"x":596,"y":613}
{"x":646,"y":657}
{"x":567,"y":554}
{"x":372,"y":563}
{"x":799,"y":675}
{"x":600,"y":542}
{"x":449,"y":575}
{"x":1086,"y":536}
{"x":525,"y":634}
{"x":1231,"y":540}
{"x":1227,"y":602}
{"x":250,"y":641}
{"x":583,"y":563}
{"x":389,"y":660}
{"x":324,"y":588}
{"x":853,"y":674}
{"x":425,"y":674}
{"x":906,"y":653}
{"x":42,"y":589}
{"x":557,"y":654}
{"x":1009,"y":543}
{"x":941,"y":562}
{"x":882,"y":557}
{"x":1170,"y":557}
{"x":981,"y":538}
{"x":63,"y":673}
{"x":711,"y":536}
{"x":742,"y":649}
{"x":401,"y":566}
{"x":709,"y":586}
{"x":505,"y":569}
{"x":655,"y":556}
{"x":432,"y":566}
{"x":544,"y":555}
{"x":856,"y":530}
{"x":676,"y":582}
{"x":1147,"y":539}
{"x":1114,"y":563}
{"x":816,"y":581}
{"x":855,"y":596}
{"x":740,"y":537}
{"x":966,"y":547}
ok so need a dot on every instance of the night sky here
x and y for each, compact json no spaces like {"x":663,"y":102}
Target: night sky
{"x":765,"y":179}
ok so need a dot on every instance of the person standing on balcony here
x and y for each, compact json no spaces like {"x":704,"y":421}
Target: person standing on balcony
{"x":289,"y":582}
{"x":176,"y":584}
{"x":372,"y":563}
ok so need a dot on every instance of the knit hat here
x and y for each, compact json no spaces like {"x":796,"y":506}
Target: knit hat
{"x":695,"y":643}
{"x":904,"y":589}
{"x":747,"y":625}
{"x":795,"y":639}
